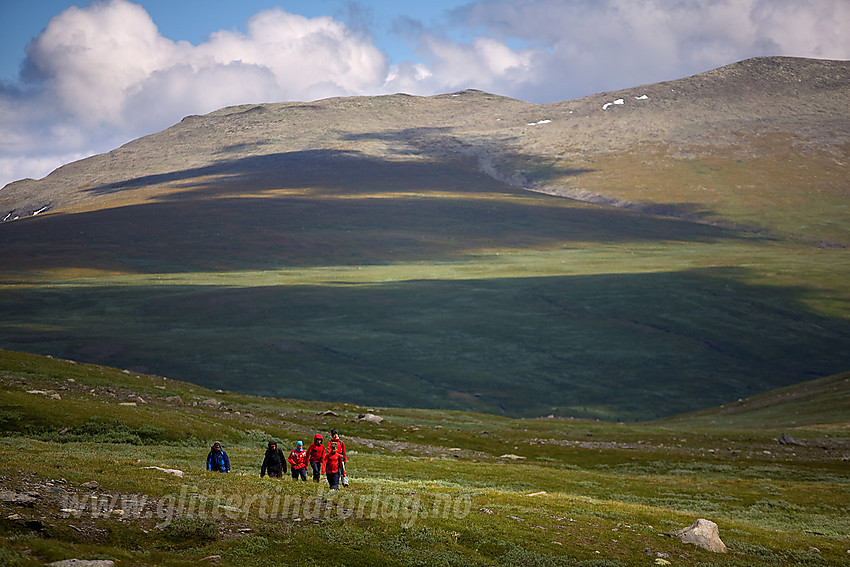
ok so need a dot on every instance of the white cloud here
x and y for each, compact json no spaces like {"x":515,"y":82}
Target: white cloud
{"x":100,"y":76}
{"x":104,"y":74}
{"x":585,"y":46}
{"x":90,"y":59}
{"x":484,"y":63}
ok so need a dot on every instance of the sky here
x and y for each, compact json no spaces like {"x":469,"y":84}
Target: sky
{"x":81,"y":78}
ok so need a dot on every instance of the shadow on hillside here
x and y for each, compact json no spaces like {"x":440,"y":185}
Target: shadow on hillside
{"x":691,"y":212}
{"x":344,"y":209}
{"x":338,"y":171}
{"x":301,"y":168}
{"x":223,"y":234}
{"x":620,"y":346}
{"x":488,"y":154}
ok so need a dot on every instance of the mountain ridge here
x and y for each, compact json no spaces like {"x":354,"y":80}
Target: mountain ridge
{"x":442,"y":123}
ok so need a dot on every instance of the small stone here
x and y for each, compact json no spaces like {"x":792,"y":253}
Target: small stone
{"x":83,"y":563}
{"x":212,"y":559}
{"x":370,"y":417}
{"x":92,"y":485}
{"x":175,"y":472}
{"x":786,"y":439}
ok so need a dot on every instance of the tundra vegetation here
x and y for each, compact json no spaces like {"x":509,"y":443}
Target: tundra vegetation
{"x":90,"y":457}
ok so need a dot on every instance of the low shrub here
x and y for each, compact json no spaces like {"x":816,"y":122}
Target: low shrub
{"x":191,"y":530}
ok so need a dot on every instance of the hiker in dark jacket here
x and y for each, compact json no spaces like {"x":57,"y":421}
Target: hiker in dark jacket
{"x":217,"y":459}
{"x":274,"y":462}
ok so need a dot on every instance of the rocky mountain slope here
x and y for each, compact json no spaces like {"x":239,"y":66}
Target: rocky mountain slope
{"x":727,"y":109}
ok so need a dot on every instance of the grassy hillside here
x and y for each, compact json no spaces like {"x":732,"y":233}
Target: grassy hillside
{"x":677,"y":251}
{"x":814,"y":403}
{"x":428,"y":488}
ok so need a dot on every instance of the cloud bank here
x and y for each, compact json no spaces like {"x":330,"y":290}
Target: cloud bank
{"x":98,"y":77}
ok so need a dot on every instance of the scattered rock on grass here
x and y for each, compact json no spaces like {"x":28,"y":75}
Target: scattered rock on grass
{"x":370,"y":417}
{"x":175,"y":472}
{"x":9,"y":497}
{"x":702,"y":533}
{"x":786,"y":439}
{"x":83,"y":563}
{"x":512,"y":457}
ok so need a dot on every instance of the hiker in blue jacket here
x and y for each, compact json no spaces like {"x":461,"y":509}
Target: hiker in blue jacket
{"x":217,"y":459}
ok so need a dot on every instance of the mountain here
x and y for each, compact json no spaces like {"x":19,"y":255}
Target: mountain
{"x":627,"y":255}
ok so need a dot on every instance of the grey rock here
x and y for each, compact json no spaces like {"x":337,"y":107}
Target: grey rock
{"x":9,"y":497}
{"x":704,"y":534}
{"x":786,"y":439}
{"x":83,"y":563}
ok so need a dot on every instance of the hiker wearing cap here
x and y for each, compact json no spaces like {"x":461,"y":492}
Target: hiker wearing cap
{"x":217,"y":459}
{"x":315,"y":454}
{"x":274,"y":462}
{"x":298,"y":460}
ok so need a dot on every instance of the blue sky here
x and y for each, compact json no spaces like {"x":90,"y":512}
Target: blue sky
{"x":97,"y":74}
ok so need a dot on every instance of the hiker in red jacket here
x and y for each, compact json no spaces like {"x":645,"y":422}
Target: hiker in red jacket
{"x":333,"y":465}
{"x":335,"y":438}
{"x":315,"y":454}
{"x":298,"y":460}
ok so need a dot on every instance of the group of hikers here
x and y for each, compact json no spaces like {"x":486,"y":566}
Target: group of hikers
{"x":328,"y":460}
